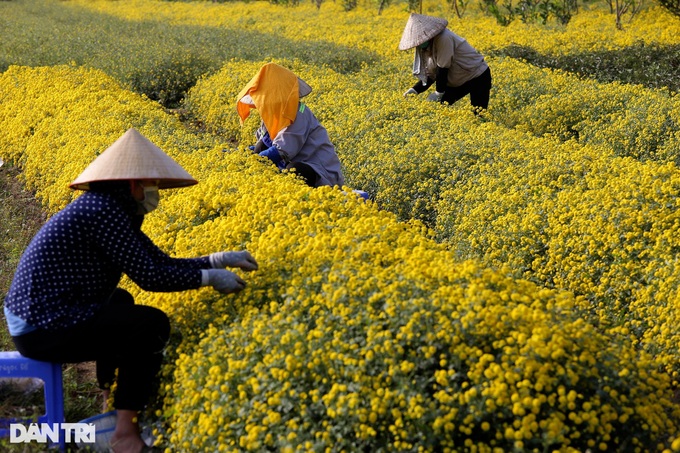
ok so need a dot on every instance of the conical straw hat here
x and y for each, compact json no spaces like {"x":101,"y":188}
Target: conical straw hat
{"x":133,"y":156}
{"x":420,"y":28}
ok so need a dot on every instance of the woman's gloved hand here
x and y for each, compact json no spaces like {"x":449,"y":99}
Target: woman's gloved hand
{"x":272,"y":153}
{"x":435,"y":96}
{"x":224,"y":281}
{"x":259,"y":146}
{"x":242,"y":259}
{"x":409,"y":92}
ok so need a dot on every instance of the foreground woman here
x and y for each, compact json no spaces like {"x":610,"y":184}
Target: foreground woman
{"x":64,"y":305}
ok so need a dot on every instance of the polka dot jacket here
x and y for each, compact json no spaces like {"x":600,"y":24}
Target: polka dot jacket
{"x":78,"y":257}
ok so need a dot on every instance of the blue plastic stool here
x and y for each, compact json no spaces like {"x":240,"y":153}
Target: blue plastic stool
{"x":14,"y":365}
{"x":362,"y":193}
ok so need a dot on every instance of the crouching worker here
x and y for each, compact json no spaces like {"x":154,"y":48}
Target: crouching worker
{"x":290,"y":135}
{"x":64,"y":305}
{"x":447,"y":61}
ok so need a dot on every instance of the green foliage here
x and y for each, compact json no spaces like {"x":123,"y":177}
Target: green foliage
{"x":159,"y":59}
{"x":285,"y":2}
{"x":650,"y":65}
{"x":564,"y":10}
{"x":382,"y":4}
{"x":624,"y":8}
{"x":415,"y":6}
{"x":530,"y":11}
{"x":503,"y":13}
{"x":459,"y":7}
{"x":349,"y":5}
{"x":671,"y":5}
{"x":169,"y":78}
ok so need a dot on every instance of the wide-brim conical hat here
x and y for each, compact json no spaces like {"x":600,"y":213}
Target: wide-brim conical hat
{"x":133,"y":156}
{"x":419,"y":29}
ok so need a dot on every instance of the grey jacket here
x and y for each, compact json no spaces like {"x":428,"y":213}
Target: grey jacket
{"x":306,"y":140}
{"x":448,"y":50}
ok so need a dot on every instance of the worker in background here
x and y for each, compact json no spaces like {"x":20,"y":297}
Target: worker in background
{"x":289,"y":135}
{"x":447,"y":61}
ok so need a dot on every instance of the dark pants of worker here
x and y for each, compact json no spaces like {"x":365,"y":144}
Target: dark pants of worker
{"x":307,"y":173}
{"x":478,"y":88}
{"x":122,"y":335}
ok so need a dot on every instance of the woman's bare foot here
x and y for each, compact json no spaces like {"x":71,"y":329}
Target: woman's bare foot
{"x":126,"y":437}
{"x":129,"y":444}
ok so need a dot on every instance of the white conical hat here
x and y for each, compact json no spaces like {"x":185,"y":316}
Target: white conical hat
{"x":420,"y":28}
{"x":133,"y":156}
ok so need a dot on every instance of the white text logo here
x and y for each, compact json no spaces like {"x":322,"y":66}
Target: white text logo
{"x":73,"y":432}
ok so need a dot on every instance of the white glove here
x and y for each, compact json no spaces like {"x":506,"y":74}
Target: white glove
{"x":242,"y":260}
{"x":409,"y":92}
{"x":435,"y":96}
{"x":223,"y":280}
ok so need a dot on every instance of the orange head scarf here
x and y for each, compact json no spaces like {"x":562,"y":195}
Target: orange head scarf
{"x":274,"y":92}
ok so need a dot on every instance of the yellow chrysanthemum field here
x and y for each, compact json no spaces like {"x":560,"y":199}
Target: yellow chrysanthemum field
{"x":512,"y":286}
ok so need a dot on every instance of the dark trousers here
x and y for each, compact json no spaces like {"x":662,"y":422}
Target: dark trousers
{"x":478,"y":88}
{"x":307,"y":173}
{"x":121,"y":336}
